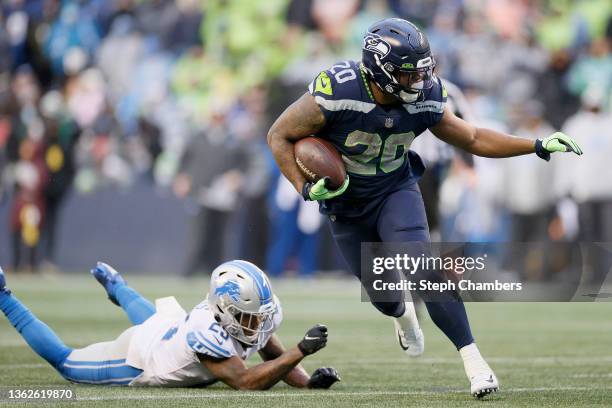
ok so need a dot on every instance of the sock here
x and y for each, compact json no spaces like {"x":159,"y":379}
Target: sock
{"x":451,"y":318}
{"x":408,"y":321}
{"x":473,"y":362}
{"x":133,"y":303}
{"x":37,"y":334}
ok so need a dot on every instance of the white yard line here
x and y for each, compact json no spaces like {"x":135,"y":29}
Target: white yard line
{"x":332,"y":394}
{"x":600,"y":375}
{"x":495,"y":360}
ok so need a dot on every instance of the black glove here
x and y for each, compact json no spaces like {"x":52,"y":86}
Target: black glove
{"x":323,"y":378}
{"x":314,"y":340}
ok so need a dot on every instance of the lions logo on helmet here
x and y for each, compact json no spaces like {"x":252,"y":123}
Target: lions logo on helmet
{"x":229,"y":288}
{"x":241,"y":299}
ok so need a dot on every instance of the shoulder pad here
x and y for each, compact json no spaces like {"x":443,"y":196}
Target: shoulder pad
{"x":339,"y":89}
{"x":341,"y":81}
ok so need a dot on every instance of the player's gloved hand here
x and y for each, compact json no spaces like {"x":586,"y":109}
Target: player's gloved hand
{"x":319,"y":191}
{"x":314,"y":340}
{"x":557,"y":142}
{"x":323,"y":378}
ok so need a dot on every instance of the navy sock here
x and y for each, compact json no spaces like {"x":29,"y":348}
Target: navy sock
{"x":36,"y":333}
{"x":133,"y":303}
{"x":451,"y":318}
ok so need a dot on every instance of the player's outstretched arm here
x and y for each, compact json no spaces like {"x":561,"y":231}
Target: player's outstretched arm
{"x":298,"y":377}
{"x":234,"y":372}
{"x":490,"y":143}
{"x":301,"y":119}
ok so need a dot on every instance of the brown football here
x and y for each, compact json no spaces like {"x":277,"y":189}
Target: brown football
{"x":317,"y":158}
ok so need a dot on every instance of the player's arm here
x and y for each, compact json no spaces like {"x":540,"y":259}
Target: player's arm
{"x":234,"y":372}
{"x":301,"y":119}
{"x":298,"y":377}
{"x":490,"y":143}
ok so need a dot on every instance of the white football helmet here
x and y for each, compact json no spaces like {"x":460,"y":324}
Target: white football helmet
{"x":242,"y":301}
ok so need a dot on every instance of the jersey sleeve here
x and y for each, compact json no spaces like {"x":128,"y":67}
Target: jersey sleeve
{"x":322,"y":88}
{"x":336,"y":89}
{"x":435,"y":101}
{"x":206,"y":336}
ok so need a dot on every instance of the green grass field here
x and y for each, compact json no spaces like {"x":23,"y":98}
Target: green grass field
{"x":547,"y":354}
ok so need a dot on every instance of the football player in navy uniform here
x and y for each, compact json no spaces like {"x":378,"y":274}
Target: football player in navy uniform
{"x":371,"y":111}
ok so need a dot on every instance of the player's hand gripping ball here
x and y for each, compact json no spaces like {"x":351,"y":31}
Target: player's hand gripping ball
{"x":322,"y":166}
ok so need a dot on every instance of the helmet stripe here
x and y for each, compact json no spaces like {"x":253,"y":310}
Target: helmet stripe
{"x":263,"y":289}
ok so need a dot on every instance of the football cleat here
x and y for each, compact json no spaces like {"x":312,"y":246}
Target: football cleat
{"x":108,"y":278}
{"x":3,"y":287}
{"x":411,"y":341}
{"x":483,"y":384}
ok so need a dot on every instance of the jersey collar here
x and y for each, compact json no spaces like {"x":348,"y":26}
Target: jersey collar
{"x":365,"y":82}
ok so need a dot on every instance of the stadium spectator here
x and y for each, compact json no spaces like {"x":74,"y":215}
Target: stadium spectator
{"x":138,"y":78}
{"x":209,"y":175}
{"x":61,"y":136}
{"x":593,"y":128}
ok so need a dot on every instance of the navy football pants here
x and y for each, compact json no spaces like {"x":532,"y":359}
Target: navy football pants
{"x":400,"y":218}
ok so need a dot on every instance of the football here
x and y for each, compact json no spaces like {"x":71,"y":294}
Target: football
{"x":318,"y":158}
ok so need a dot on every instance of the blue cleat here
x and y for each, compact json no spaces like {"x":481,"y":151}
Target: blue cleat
{"x":3,"y":288}
{"x":108,"y":278}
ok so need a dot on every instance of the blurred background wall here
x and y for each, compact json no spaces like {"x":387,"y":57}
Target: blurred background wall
{"x":134,"y":130}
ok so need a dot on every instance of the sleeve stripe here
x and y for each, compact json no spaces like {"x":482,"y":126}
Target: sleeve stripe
{"x":212,"y":352}
{"x":219,"y":349}
{"x":198,"y":343}
{"x":344,"y":104}
{"x":203,"y":340}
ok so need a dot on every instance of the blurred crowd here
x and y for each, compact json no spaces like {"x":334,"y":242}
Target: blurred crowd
{"x":104,"y":93}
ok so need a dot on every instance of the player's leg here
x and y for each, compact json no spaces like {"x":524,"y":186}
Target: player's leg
{"x":101,"y":363}
{"x":349,"y":235}
{"x":137,"y":308}
{"x":396,"y":224}
{"x":36,"y":333}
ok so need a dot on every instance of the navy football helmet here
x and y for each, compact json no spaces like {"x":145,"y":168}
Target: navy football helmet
{"x":397,"y":57}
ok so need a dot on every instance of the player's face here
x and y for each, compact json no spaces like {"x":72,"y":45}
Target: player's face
{"x":250,"y":323}
{"x":408,"y":79}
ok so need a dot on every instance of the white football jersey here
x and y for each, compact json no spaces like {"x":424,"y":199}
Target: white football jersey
{"x":165,"y":346}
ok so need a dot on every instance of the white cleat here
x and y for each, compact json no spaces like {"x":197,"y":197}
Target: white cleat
{"x":483,"y":384}
{"x":411,"y":341}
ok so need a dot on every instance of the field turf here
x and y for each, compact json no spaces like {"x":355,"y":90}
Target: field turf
{"x":546,"y":354}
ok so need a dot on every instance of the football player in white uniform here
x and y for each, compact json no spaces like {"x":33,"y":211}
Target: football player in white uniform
{"x":168,"y":347}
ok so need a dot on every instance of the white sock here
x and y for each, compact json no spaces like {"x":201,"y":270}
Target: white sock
{"x":473,"y":362}
{"x":408,"y":321}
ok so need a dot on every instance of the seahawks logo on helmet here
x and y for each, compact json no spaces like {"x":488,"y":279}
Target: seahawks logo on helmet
{"x":376,"y":44}
{"x":229,"y":288}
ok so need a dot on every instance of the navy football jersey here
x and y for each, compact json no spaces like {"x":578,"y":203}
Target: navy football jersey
{"x":374,"y":140}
